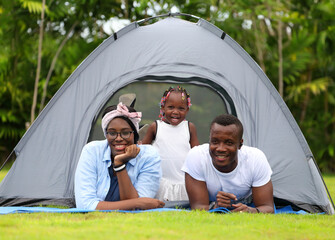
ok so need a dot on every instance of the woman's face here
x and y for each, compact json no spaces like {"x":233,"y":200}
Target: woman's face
{"x":118,"y":144}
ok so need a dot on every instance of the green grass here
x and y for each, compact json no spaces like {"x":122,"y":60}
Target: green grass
{"x":168,"y":225}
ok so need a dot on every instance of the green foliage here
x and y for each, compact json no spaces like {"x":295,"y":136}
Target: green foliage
{"x":33,"y":6}
{"x":319,"y":128}
{"x":316,"y":87}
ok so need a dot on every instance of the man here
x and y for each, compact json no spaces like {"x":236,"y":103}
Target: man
{"x":224,"y":173}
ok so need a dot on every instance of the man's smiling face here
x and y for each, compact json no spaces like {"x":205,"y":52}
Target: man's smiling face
{"x":224,"y":143}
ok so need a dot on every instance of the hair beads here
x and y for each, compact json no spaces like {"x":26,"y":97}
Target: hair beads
{"x":167,"y":94}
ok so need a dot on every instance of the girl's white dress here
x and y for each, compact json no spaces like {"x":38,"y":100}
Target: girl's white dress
{"x":173,"y":144}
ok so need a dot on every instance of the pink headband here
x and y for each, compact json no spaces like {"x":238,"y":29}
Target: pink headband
{"x":122,"y":110}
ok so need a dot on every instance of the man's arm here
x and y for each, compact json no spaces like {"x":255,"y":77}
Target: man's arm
{"x":197,"y":193}
{"x":263,"y":198}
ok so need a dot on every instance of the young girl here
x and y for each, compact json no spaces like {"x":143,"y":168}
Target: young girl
{"x":173,"y":136}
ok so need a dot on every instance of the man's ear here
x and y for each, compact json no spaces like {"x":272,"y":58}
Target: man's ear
{"x":241,"y":144}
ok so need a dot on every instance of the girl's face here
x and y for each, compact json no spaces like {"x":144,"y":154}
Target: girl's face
{"x":121,"y":128}
{"x":175,"y":108}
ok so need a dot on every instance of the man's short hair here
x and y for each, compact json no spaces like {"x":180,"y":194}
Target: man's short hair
{"x":228,"y":119}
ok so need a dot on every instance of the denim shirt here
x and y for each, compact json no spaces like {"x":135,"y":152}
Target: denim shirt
{"x":92,"y":180}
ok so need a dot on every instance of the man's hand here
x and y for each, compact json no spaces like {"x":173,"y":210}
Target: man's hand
{"x":240,"y":207}
{"x":223,"y":199}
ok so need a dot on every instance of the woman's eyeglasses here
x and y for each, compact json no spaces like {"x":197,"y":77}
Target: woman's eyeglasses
{"x":123,"y":134}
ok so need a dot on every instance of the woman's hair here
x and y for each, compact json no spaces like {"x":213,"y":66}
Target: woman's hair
{"x":228,"y":119}
{"x":131,"y":124}
{"x":166,"y":94}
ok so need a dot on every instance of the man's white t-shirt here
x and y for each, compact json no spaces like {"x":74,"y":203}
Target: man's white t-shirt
{"x":253,"y":170}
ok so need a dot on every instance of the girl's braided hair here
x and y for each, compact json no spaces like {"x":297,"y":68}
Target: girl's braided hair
{"x":167,"y":93}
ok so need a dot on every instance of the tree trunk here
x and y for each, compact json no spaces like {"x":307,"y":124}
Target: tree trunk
{"x":259,"y":43}
{"x":39,"y":61}
{"x":126,"y":10}
{"x":280,"y":58}
{"x":326,"y":111}
{"x":53,"y":63}
{"x":306,"y":98}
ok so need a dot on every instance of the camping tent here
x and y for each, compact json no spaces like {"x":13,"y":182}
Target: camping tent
{"x":174,"y":50}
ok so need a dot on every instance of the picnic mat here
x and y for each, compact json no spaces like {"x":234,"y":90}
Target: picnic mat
{"x":10,"y":210}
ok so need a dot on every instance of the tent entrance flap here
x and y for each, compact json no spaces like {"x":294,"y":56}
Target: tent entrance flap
{"x":149,"y":91}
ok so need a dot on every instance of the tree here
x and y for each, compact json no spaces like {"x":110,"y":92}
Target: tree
{"x":39,"y":59}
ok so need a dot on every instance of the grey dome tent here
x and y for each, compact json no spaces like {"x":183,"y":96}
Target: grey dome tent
{"x":178,"y":51}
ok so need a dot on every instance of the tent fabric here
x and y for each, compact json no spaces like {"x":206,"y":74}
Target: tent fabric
{"x":47,"y":155}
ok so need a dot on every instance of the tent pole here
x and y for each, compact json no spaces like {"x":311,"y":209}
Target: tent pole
{"x":324,"y":183}
{"x":167,"y":15}
{"x":330,"y":197}
{"x":10,"y":155}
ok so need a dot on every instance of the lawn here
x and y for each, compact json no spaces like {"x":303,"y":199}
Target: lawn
{"x":168,"y":225}
{"x":330,"y":182}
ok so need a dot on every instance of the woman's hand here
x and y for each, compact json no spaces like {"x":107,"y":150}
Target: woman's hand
{"x":149,"y":203}
{"x":130,"y":152}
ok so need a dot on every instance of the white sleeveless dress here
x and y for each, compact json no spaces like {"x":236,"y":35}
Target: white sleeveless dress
{"x":173,"y":144}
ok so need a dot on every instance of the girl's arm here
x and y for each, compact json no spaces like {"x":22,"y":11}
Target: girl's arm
{"x":151,"y":134}
{"x":193,"y":135}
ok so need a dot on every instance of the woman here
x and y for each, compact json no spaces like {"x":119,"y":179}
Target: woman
{"x":116,"y":173}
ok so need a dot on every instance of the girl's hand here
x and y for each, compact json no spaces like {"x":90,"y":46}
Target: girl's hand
{"x":130,"y":152}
